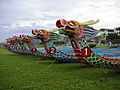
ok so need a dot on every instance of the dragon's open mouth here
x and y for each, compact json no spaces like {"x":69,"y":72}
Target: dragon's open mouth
{"x":40,"y":35}
{"x":69,"y":28}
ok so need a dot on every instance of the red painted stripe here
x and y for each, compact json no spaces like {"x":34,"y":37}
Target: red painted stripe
{"x":109,"y":59}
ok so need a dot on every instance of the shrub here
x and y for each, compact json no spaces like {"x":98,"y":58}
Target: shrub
{"x":92,"y":44}
{"x":113,"y":46}
{"x":100,"y":46}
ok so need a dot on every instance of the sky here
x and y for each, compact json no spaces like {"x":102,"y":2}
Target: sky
{"x":21,"y":16}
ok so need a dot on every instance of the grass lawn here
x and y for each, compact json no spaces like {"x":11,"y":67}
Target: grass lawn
{"x":23,"y":72}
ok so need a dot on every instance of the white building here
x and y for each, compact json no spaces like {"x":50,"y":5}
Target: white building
{"x":109,"y":31}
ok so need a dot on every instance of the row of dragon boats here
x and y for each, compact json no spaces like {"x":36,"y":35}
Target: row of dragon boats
{"x":76,"y":32}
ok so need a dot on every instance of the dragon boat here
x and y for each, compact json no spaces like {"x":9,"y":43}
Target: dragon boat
{"x":79,"y":43}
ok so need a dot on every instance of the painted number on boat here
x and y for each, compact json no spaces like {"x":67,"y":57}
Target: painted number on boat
{"x":86,"y":52}
{"x":52,"y":50}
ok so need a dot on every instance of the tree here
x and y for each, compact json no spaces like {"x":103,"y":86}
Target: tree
{"x":114,"y":38}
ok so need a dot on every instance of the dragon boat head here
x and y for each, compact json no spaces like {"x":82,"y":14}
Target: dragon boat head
{"x":25,"y":38}
{"x":42,"y":34}
{"x":73,"y":28}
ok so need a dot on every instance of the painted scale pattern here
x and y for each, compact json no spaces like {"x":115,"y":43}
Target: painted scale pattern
{"x":58,"y":55}
{"x":97,"y":60}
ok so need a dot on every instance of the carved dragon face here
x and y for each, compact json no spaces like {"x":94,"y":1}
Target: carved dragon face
{"x":10,"y":40}
{"x":75,"y":29}
{"x":41,"y":34}
{"x":25,"y":38}
{"x":69,"y":28}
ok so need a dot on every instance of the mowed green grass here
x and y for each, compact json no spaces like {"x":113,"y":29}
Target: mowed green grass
{"x":24,"y":72}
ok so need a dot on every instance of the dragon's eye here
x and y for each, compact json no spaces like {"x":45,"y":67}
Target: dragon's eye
{"x":70,"y":23}
{"x":40,"y":31}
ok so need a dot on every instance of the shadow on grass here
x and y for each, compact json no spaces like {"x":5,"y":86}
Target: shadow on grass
{"x":12,"y":54}
{"x":81,"y":67}
{"x":112,"y":73}
{"x":63,"y":62}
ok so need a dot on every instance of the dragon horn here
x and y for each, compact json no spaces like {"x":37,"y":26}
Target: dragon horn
{"x":90,"y":22}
